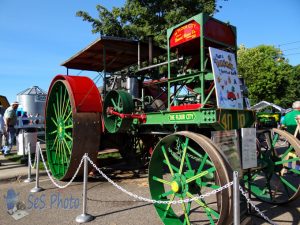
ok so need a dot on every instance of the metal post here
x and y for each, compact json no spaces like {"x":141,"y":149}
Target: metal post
{"x":84,"y":217}
{"x":236,"y":199}
{"x":23,"y":159}
{"x":37,"y":188}
{"x":29,"y":179}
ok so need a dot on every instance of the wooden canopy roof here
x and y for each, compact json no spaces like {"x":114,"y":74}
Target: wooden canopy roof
{"x":119,"y":53}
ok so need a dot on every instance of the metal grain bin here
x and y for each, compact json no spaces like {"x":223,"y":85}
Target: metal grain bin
{"x":33,"y":100}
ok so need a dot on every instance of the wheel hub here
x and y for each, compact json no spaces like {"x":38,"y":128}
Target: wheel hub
{"x":61,"y":129}
{"x":175,"y":186}
{"x":179,"y":185}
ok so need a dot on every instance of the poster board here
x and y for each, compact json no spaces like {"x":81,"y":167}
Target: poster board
{"x":249,"y":156}
{"x":227,"y":83}
{"x":228,"y":143}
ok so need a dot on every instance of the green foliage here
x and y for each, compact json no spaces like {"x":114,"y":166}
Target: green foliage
{"x":141,"y":18}
{"x":268,"y":75}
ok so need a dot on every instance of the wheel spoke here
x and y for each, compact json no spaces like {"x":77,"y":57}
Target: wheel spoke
{"x":188,"y":211}
{"x":69,"y":126}
{"x":70,"y":113}
{"x":275,"y":140}
{"x":60,"y":101}
{"x":295,"y":171}
{"x":54,"y":145}
{"x":185,"y":214}
{"x":199,"y":155}
{"x":54,"y":121}
{"x":173,"y":167}
{"x":174,"y":155}
{"x":70,"y":152}
{"x":168,"y":207}
{"x":202,"y":163}
{"x":206,"y":208}
{"x":161,"y":180}
{"x":213,"y":186}
{"x":64,"y":104}
{"x":68,"y":136}
{"x":286,"y":161}
{"x":210,"y":170}
{"x":114,"y":104}
{"x":55,"y":111}
{"x":165,"y":194}
{"x":183,"y":155}
{"x":288,"y":184}
{"x":287,"y":152}
{"x":167,"y":160}
{"x":53,"y":132}
{"x":57,"y":105}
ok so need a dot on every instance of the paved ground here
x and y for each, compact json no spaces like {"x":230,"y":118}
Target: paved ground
{"x":109,"y":205}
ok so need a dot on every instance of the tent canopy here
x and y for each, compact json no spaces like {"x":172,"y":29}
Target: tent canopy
{"x":264,"y":104}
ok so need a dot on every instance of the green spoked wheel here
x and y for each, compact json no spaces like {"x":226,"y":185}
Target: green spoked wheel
{"x":185,"y":165}
{"x":70,"y":132}
{"x":277,"y":178}
{"x":120,"y":102}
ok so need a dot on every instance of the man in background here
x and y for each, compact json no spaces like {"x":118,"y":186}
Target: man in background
{"x":2,"y":129}
{"x":10,"y":120}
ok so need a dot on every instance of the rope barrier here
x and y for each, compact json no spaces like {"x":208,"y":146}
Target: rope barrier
{"x":141,"y":198}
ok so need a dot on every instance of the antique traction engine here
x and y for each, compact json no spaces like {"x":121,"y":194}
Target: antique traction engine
{"x":167,"y":111}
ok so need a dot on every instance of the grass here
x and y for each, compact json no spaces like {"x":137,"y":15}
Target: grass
{"x":113,"y":155}
{"x":14,"y":157}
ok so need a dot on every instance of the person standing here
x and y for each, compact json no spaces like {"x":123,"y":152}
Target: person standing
{"x":290,"y":123}
{"x":10,"y":119}
{"x":289,"y":120}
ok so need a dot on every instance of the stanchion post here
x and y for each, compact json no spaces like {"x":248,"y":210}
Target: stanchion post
{"x":37,"y":188}
{"x":236,"y":199}
{"x":84,"y":217}
{"x":29,"y":179}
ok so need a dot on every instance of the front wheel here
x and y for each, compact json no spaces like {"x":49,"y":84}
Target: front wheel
{"x":277,"y":178}
{"x":185,"y":165}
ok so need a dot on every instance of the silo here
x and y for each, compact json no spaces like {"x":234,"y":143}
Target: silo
{"x":33,"y":101}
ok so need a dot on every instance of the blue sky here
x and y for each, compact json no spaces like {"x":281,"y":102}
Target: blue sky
{"x":37,"y":36}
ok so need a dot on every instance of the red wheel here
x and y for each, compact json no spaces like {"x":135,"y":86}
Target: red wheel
{"x":73,"y":123}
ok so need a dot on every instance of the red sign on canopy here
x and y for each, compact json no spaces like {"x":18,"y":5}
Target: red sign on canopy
{"x":185,"y":33}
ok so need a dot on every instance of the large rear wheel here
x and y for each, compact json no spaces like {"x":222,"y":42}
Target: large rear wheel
{"x":73,"y":124}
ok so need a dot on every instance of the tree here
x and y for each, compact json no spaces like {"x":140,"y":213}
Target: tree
{"x":140,"y":18}
{"x":267,"y":74}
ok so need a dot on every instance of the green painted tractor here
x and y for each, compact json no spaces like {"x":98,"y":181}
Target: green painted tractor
{"x":162,"y":113}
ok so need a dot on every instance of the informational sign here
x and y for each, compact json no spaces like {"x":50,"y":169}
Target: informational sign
{"x":185,"y":33}
{"x":228,"y":143}
{"x":249,"y":156}
{"x":227,"y":83}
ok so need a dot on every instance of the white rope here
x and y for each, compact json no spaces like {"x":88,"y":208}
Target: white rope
{"x":53,"y":179}
{"x":256,"y":209}
{"x":157,"y":201}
